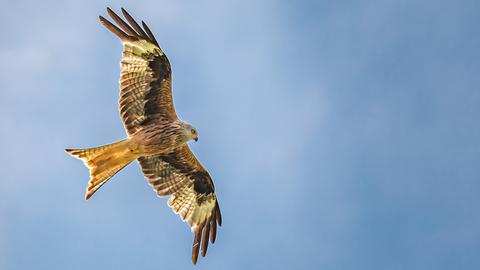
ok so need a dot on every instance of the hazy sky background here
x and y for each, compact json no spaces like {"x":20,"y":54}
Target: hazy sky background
{"x":340,"y":134}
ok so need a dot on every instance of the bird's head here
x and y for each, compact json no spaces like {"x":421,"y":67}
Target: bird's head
{"x":191,"y":132}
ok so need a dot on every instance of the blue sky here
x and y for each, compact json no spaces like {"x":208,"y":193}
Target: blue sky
{"x":340,"y":134}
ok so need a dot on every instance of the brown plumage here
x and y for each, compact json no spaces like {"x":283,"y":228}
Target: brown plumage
{"x":156,"y":137}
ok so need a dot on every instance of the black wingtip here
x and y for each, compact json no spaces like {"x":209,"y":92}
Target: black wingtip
{"x":195,"y":248}
{"x":134,"y":24}
{"x":123,"y":25}
{"x":110,"y":11}
{"x":218,"y":215}
{"x":115,"y":30}
{"x":149,"y":33}
{"x":205,"y":237}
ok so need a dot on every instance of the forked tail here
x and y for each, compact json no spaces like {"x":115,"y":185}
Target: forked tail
{"x":103,"y":162}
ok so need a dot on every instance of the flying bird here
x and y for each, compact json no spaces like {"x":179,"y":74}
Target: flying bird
{"x":156,"y":137}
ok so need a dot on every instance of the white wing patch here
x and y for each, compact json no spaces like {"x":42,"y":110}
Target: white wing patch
{"x":142,"y":47}
{"x":192,"y":207}
{"x":185,"y":203}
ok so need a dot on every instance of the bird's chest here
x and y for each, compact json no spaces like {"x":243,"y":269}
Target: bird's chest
{"x":158,"y":141}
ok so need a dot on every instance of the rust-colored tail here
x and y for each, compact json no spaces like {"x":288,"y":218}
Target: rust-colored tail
{"x":103,"y":162}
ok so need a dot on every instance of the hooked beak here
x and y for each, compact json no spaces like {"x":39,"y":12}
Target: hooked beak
{"x":196,"y":139}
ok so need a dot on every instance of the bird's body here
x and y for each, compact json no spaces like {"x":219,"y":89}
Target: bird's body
{"x":157,"y":139}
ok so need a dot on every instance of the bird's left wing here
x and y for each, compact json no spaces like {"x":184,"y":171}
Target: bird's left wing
{"x":193,"y":198}
{"x":145,"y":79}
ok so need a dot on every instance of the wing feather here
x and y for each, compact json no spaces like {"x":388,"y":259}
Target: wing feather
{"x":134,"y":24}
{"x":149,"y":33}
{"x":119,"y":33}
{"x":122,"y":23}
{"x":145,"y":78}
{"x":193,"y":198}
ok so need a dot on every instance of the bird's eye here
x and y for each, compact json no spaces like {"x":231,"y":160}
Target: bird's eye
{"x":194,"y":131}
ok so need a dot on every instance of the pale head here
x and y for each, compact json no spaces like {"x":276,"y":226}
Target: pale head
{"x":190,"y":132}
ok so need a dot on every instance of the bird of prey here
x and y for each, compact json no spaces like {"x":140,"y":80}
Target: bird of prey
{"x":157,"y":139}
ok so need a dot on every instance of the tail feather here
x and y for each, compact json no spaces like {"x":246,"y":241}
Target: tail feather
{"x":103,"y":162}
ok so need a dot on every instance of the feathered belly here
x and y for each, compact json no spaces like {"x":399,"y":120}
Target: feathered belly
{"x":156,"y":141}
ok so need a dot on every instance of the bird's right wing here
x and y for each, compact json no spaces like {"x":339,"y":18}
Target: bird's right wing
{"x":193,"y":198}
{"x":146,"y":76}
